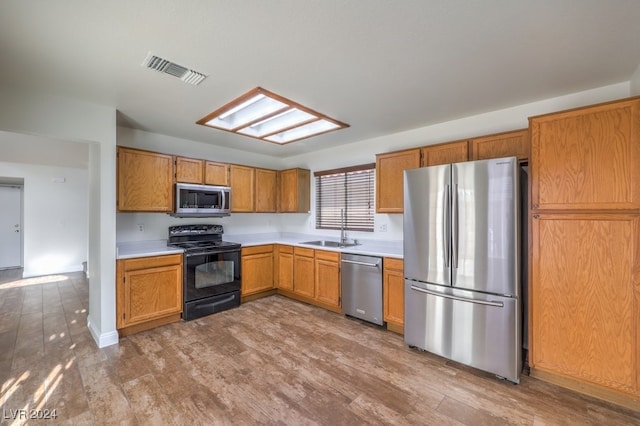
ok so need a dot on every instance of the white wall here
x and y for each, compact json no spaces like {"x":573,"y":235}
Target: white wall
{"x":483,"y":124}
{"x":77,"y":121}
{"x":55,"y":227}
{"x":635,"y":82}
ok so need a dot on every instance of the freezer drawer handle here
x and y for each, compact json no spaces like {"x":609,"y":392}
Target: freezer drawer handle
{"x":462,"y":299}
{"x":372,"y":265}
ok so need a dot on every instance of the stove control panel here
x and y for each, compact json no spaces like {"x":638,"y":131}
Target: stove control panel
{"x":199,"y":229}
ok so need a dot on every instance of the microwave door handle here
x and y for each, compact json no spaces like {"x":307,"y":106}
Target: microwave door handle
{"x":224,"y":199}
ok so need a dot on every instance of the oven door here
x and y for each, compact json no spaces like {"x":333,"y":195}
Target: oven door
{"x":211,"y":274}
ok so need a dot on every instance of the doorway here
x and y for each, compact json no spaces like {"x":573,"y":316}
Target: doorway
{"x":11,"y":226}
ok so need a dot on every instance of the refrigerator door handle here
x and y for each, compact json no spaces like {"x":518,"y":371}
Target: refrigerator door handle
{"x":446,"y":226}
{"x":455,"y":218}
{"x":461,"y":299}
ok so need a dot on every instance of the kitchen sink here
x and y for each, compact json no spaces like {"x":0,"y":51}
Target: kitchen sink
{"x":325,"y":243}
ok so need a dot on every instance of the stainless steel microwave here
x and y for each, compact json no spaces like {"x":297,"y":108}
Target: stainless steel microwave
{"x":202,"y":200}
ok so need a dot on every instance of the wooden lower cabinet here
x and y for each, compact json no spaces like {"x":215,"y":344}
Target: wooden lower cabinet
{"x":393,"y":293}
{"x":148,"y":292}
{"x":283,"y":261}
{"x":585,"y":301}
{"x":327,"y":278}
{"x":257,"y":269}
{"x":303,"y":272}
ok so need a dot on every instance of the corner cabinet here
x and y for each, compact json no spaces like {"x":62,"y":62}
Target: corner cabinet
{"x":148,"y":292}
{"x":294,"y":191}
{"x":266,"y":191}
{"x":257,"y":269}
{"x":585,"y":250}
{"x":145,"y":181}
{"x":390,"y":179}
{"x":393,"y":293}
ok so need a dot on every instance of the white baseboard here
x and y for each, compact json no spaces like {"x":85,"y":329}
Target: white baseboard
{"x":102,"y":339}
{"x":28,"y":273}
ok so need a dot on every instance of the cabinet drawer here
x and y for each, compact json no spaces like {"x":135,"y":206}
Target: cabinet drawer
{"x":393,"y":264}
{"x":301,"y":251}
{"x":331,"y":256}
{"x":247,"y":251}
{"x":285,"y":249}
{"x":151,"y":262}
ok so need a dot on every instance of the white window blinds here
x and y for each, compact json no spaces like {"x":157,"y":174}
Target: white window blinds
{"x":351,"y":189}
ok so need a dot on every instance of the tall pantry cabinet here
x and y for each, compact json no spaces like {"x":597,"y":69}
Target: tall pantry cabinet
{"x":585,"y":249}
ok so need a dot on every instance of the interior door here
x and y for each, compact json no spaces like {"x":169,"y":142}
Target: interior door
{"x":10,"y":227}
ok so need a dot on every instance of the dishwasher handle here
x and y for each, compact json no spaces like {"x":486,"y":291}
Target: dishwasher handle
{"x":355,"y":262}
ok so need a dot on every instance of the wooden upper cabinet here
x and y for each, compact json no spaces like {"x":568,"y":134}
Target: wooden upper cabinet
{"x":189,"y":170}
{"x":584,"y":297}
{"x":390,"y":179}
{"x":145,"y":181}
{"x":266,"y":191}
{"x":587,"y":158}
{"x":294,"y":191}
{"x":216,"y":173}
{"x":508,"y":144}
{"x":242,"y":188}
{"x":445,"y":153}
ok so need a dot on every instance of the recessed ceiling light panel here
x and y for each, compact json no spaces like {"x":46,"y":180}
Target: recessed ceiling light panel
{"x":266,"y":116}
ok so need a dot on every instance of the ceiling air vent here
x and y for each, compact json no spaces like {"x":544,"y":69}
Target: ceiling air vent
{"x":185,"y":74}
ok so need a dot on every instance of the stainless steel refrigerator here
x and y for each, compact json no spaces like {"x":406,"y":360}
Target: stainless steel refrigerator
{"x":461,"y":263}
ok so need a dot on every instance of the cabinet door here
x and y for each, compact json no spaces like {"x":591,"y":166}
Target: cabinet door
{"x":294,"y":193}
{"x":152,"y":293}
{"x":266,"y":191}
{"x":285,"y":267}
{"x":587,"y":159}
{"x":145,"y":181}
{"x":509,"y":144}
{"x":446,"y":153}
{"x":585,"y":288}
{"x":390,"y":179}
{"x":327,"y":278}
{"x":393,"y":293}
{"x":216,"y":173}
{"x":189,"y":170}
{"x":257,"y":269}
{"x":242,"y":188}
{"x":303,"y":276}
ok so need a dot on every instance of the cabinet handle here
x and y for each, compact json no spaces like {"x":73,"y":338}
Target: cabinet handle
{"x":535,"y":206}
{"x":536,"y":216}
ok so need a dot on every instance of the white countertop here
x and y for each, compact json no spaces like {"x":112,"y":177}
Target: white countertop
{"x":365,"y":247}
{"x":130,"y":249}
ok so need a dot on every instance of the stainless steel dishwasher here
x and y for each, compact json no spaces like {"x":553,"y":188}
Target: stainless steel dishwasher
{"x":362,"y":287}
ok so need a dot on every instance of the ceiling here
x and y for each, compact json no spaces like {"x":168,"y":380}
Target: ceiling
{"x":381,"y":66}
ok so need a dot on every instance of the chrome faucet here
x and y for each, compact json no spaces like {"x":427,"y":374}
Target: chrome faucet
{"x":343,"y":235}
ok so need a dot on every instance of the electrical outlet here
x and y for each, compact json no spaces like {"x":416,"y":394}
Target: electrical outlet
{"x":382,"y":227}
{"x":140,"y":227}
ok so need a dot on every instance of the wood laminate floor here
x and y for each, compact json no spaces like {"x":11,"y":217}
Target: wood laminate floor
{"x":270,"y":361}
